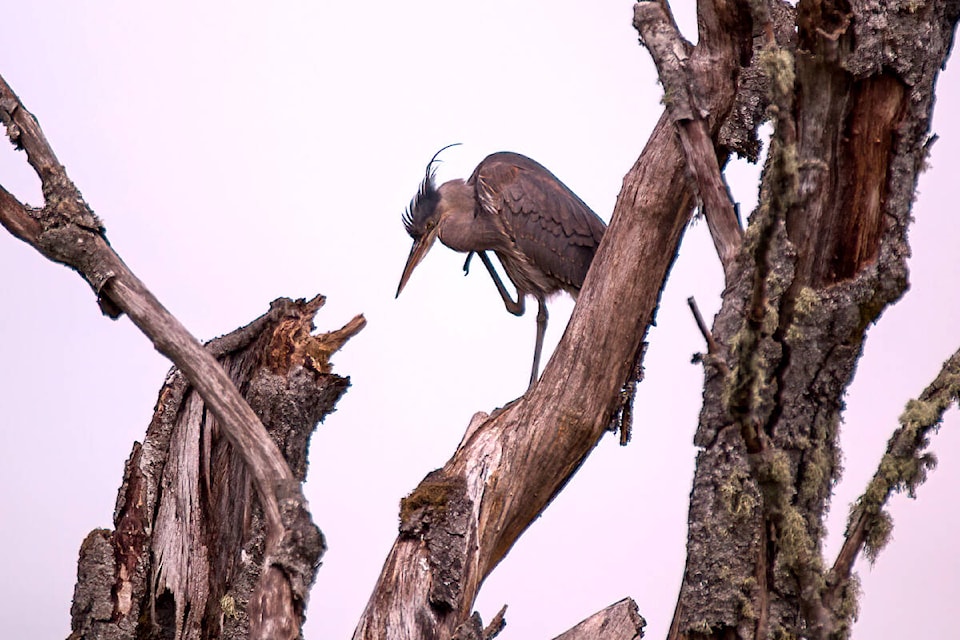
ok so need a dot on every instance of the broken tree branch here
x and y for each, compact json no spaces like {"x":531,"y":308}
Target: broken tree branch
{"x":712,"y":347}
{"x":67,"y":231}
{"x":619,"y":621}
{"x":185,"y":556}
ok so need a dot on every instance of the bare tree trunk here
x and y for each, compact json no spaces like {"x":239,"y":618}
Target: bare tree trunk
{"x":850,"y":97}
{"x":187,"y":550}
{"x":463,"y":519}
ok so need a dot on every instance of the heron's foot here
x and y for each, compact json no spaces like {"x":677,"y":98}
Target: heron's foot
{"x":466,"y":265}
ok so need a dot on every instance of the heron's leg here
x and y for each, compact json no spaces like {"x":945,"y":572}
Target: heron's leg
{"x":516,"y":308}
{"x":466,"y":264}
{"x":541,"y":331}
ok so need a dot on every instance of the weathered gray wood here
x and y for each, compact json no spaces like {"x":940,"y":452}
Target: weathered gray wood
{"x":658,"y":32}
{"x":619,"y":621}
{"x":849,"y":87}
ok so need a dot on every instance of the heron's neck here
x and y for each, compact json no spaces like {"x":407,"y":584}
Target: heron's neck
{"x":456,"y":196}
{"x":458,"y":229}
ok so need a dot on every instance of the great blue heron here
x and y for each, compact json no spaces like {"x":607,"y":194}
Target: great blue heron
{"x":543,"y":234}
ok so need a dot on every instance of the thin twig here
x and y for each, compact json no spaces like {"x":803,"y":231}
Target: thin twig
{"x":712,"y":347}
{"x":496,"y":625}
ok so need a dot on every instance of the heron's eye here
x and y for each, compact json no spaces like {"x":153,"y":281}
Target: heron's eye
{"x":430,"y":225}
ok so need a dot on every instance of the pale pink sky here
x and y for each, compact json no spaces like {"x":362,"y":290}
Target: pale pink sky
{"x":238,"y":153}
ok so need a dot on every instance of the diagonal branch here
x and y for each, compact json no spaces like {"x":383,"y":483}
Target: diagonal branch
{"x":25,"y":134}
{"x":15,"y":217}
{"x":903,"y":467}
{"x":671,"y":55}
{"x":464,"y":518}
{"x":66,"y":231}
{"x":713,"y":348}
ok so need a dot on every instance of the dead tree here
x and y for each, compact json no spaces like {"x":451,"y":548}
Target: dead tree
{"x":848,"y":87}
{"x":849,"y":90}
{"x":188,"y":546}
{"x":213,"y":537}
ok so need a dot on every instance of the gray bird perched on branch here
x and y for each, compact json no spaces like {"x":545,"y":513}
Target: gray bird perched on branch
{"x":542,"y":233}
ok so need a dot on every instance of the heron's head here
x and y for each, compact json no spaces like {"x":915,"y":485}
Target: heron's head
{"x":422,"y":220}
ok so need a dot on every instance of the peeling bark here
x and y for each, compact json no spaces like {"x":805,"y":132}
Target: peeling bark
{"x":212,"y":537}
{"x":66,"y":230}
{"x":187,"y":551}
{"x":849,"y":89}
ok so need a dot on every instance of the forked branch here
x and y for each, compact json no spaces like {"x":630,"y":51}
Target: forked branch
{"x":464,"y":518}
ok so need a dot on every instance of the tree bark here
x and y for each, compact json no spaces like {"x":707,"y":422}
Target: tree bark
{"x":824,"y":254}
{"x":848,"y":86}
{"x":849,"y":89}
{"x":187,"y":550}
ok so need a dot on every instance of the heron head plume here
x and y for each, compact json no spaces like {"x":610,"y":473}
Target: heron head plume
{"x":422,"y":217}
{"x":423,"y":207}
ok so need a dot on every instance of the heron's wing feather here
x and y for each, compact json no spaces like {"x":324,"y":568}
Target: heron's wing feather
{"x":550,"y":225}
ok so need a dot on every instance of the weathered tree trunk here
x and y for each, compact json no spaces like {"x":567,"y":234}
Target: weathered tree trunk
{"x":187,"y":549}
{"x":463,"y":519}
{"x":850,"y":97}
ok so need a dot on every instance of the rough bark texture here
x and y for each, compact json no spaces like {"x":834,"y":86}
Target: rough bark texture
{"x":681,"y":94}
{"x":849,"y":89}
{"x":187,"y":550}
{"x":848,"y":85}
{"x":824,"y":254}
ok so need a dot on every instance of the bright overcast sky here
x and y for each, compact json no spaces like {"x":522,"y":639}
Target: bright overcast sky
{"x":238,"y":153}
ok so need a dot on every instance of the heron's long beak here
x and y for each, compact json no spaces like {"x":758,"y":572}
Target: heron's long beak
{"x":417,"y":252}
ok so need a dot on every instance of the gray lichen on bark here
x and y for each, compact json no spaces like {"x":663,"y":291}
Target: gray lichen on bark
{"x":864,"y":85}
